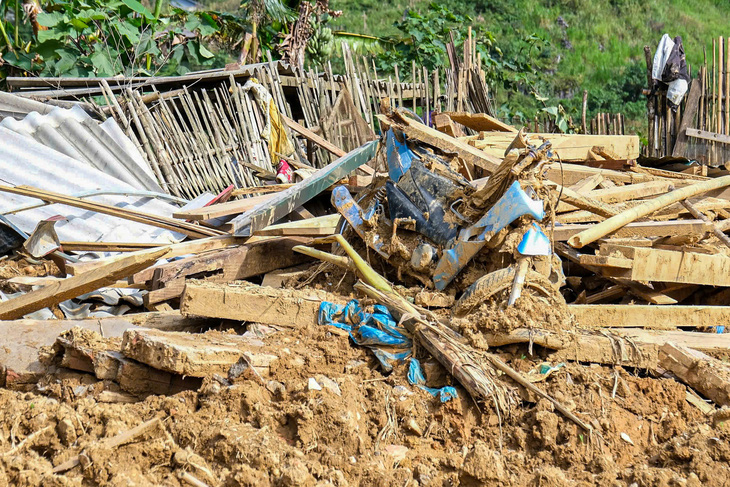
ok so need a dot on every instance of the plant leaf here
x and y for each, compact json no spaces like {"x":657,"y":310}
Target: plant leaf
{"x":205,"y":52}
{"x":139,"y":8}
{"x":51,"y":19}
{"x":102,"y":64}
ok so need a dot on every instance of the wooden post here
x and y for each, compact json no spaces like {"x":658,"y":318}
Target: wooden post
{"x":714,"y":87}
{"x":727,"y":88}
{"x":427,"y":106}
{"x":583,"y":113}
{"x":413,"y":84}
{"x":690,"y":109}
{"x":720,"y":83}
{"x":701,"y":108}
{"x":436,"y":91}
{"x":650,"y":102}
{"x":400,"y":88}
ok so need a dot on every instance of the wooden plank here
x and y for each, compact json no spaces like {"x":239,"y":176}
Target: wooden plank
{"x":588,"y":184}
{"x":175,"y":250}
{"x":188,"y":229}
{"x":569,"y":200}
{"x":570,"y":147}
{"x":690,"y":111}
{"x":286,"y":201}
{"x":235,"y":207}
{"x":309,"y":135}
{"x":616,"y":346}
{"x":567,"y":174}
{"x":705,"y":135}
{"x":694,"y":399}
{"x":106,"y":246}
{"x":443,"y":123}
{"x":648,"y":316}
{"x":606,"y":261}
{"x":74,"y":286}
{"x":225,"y":266}
{"x":45,"y":280}
{"x":279,"y":277}
{"x":481,"y":122}
{"x":610,"y":293}
{"x":708,"y":375}
{"x":634,"y":191}
{"x":251,"y":303}
{"x":318,"y":226}
{"x":271,"y":188}
{"x":684,"y":267}
{"x":644,"y":292}
{"x":641,"y":229}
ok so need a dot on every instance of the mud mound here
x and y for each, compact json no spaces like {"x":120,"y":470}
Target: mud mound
{"x":327,"y":416}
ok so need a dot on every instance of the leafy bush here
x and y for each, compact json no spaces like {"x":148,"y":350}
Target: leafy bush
{"x":106,"y":38}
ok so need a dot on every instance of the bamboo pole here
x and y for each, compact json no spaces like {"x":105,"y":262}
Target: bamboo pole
{"x":612,"y":224}
{"x":413,"y":84}
{"x":720,"y":58}
{"x":427,"y":109}
{"x":436,"y":91}
{"x":727,"y":88}
{"x":399,"y":86}
{"x":714,"y":85}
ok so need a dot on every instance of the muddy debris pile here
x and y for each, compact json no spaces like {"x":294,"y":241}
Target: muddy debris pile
{"x":446,"y":300}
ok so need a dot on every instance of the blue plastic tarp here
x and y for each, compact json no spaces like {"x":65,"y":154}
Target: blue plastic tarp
{"x":379,"y":332}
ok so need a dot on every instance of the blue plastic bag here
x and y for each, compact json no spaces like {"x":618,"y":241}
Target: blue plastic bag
{"x":380,"y":333}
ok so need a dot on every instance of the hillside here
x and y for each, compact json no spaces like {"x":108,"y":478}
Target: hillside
{"x":596,"y":46}
{"x":590,"y":45}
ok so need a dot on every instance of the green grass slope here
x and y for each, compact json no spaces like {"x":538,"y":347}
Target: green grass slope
{"x":592,"y":44}
{"x":597,"y":46}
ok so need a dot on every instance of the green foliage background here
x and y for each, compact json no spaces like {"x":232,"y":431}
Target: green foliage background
{"x":539,"y":54}
{"x":604,"y":49}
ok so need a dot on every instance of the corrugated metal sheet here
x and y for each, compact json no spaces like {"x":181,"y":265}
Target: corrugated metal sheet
{"x":74,"y":133}
{"x":18,"y":107}
{"x":26,"y":161}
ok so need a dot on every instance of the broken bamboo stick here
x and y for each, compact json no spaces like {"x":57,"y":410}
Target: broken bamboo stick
{"x":698,"y":214}
{"x":615,"y":222}
{"x":586,"y":202}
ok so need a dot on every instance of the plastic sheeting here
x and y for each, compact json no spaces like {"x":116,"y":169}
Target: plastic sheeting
{"x":416,"y":378}
{"x":380,"y":333}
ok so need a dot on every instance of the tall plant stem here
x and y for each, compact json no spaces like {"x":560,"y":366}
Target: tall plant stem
{"x":158,"y":8}
{"x":17,"y":22}
{"x":5,"y":36}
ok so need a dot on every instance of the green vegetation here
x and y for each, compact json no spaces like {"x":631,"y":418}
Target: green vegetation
{"x":539,"y":55}
{"x":106,"y":38}
{"x":597,"y":46}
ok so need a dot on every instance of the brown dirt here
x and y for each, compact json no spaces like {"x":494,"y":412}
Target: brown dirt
{"x":18,"y":266}
{"x":379,"y":431}
{"x":529,"y":311}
